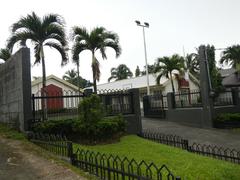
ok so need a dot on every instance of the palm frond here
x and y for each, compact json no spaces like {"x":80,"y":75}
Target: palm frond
{"x":60,"y":49}
{"x":5,"y":54}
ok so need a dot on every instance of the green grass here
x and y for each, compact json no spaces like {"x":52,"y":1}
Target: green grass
{"x":8,"y":132}
{"x":181,"y":163}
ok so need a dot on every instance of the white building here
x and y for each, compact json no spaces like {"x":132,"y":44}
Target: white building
{"x":56,"y":87}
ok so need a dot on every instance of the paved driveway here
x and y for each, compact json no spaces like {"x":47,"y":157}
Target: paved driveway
{"x":224,"y":138}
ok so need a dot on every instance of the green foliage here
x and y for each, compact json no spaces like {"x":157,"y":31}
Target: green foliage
{"x":215,"y":76}
{"x":228,"y":117}
{"x":91,"y":125}
{"x":71,"y":77}
{"x":231,"y":56}
{"x":151,"y":69}
{"x":8,"y":132}
{"x":5,"y":54}
{"x":181,"y":163}
{"x":137,"y":72}
{"x":119,"y":73}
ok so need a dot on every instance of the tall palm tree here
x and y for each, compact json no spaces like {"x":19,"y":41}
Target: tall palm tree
{"x":231,"y":56}
{"x":47,"y":31}
{"x":121,"y":72}
{"x":5,"y":54}
{"x":98,"y":39}
{"x":166,"y":65}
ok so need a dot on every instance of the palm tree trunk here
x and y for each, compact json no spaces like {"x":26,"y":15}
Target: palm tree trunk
{"x":172,"y":82}
{"x":78,"y":77}
{"x":94,"y":74}
{"x":44,"y":103}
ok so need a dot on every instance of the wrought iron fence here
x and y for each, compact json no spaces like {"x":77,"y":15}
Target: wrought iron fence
{"x":221,"y":153}
{"x":171,"y":140}
{"x":223,"y":99}
{"x":227,"y":154}
{"x":56,"y":144}
{"x":117,"y":101}
{"x":57,"y":104}
{"x":102,"y":165}
{"x":114,"y":167}
{"x":188,"y":99}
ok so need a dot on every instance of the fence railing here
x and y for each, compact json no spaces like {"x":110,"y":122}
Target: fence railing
{"x":223,"y":99}
{"x":221,"y":153}
{"x":188,"y":99}
{"x":102,"y":165}
{"x":114,"y":167}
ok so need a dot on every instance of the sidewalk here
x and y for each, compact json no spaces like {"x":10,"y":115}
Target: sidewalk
{"x":224,"y":138}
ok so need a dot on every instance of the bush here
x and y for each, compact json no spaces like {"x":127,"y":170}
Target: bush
{"x":228,"y":117}
{"x":91,"y":126}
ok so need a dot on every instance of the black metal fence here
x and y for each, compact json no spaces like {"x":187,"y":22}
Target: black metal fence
{"x":221,"y":153}
{"x":102,"y":165}
{"x":223,"y":99}
{"x":56,"y":144}
{"x":117,"y":101}
{"x":188,"y":99}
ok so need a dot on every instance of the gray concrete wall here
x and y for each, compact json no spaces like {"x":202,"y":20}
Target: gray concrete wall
{"x":15,"y":90}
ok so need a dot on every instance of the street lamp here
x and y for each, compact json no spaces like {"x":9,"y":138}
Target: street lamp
{"x":145,"y":50}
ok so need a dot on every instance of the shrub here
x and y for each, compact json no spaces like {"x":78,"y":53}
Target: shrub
{"x":228,"y":117}
{"x":91,"y":125}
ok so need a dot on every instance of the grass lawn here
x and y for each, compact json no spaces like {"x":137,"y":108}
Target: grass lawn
{"x":181,"y":163}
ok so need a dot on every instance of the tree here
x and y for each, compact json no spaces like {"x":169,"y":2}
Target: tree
{"x":119,"y":73}
{"x":151,"y":69}
{"x":192,"y":64}
{"x":47,"y":31}
{"x":231,"y":56}
{"x":72,"y":77}
{"x":166,"y":65}
{"x":215,"y":76}
{"x":5,"y":54}
{"x":137,"y":72}
{"x":98,"y":39}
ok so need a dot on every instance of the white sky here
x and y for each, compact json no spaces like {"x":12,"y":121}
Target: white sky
{"x":173,"y":24}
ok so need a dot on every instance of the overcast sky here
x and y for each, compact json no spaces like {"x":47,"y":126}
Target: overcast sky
{"x":173,"y":24}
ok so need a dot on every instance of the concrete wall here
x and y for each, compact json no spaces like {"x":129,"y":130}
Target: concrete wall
{"x":15,"y":90}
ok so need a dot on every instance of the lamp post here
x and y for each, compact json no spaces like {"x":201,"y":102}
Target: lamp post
{"x":145,"y":50}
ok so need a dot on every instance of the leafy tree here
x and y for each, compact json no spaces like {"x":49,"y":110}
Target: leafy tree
{"x":121,"y":72}
{"x":231,"y":56}
{"x":192,"y":64}
{"x":72,"y":77}
{"x":137,"y":72}
{"x":215,"y":76}
{"x":166,"y":65}
{"x":98,"y":39}
{"x":5,"y":54}
{"x":47,"y":31}
{"x":151,"y":69}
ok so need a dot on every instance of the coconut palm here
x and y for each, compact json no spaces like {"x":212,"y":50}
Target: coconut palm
{"x":121,"y":72}
{"x":70,"y":76}
{"x":5,"y":54}
{"x":192,"y":63}
{"x":98,"y":39}
{"x":166,"y":65}
{"x":47,"y":31}
{"x":231,"y":56}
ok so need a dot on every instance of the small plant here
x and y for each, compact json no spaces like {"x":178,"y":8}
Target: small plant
{"x":227,"y":117}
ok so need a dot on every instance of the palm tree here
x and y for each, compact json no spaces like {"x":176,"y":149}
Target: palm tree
{"x":192,"y":63}
{"x":98,"y":39}
{"x":121,"y":72}
{"x":70,"y":76}
{"x":166,"y":65}
{"x":5,"y":54}
{"x":231,"y":56}
{"x":47,"y":31}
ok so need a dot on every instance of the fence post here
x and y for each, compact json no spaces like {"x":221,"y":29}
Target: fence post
{"x":178,"y":178}
{"x":70,"y":152}
{"x":146,"y":105}
{"x":171,"y":100}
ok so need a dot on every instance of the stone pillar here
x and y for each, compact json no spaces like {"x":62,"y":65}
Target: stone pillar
{"x":207,"y":100}
{"x":146,"y":105}
{"x":171,"y":100}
